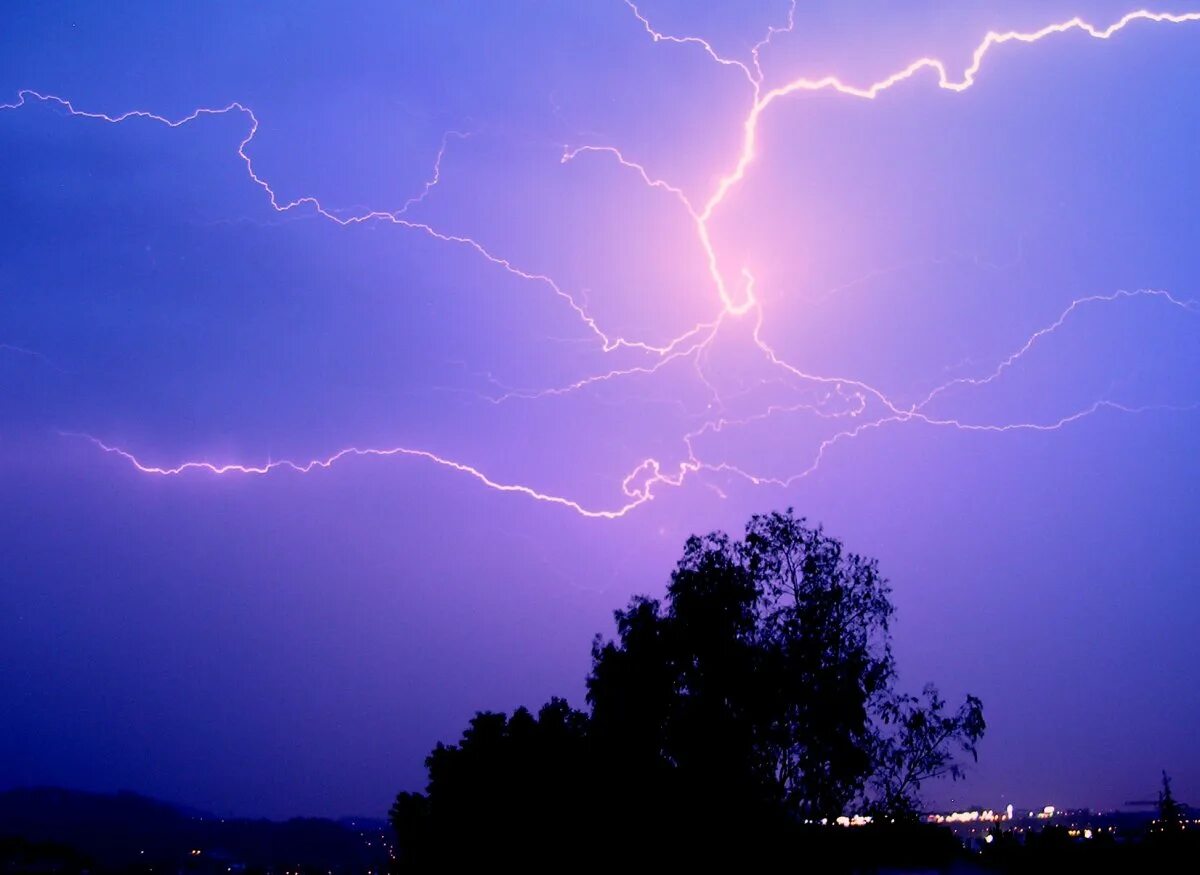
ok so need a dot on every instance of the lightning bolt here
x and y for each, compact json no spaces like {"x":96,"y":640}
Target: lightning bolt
{"x":20,"y":350}
{"x":352,"y":452}
{"x":736,"y":298}
{"x":436,"y":177}
{"x":25,"y":352}
{"x":283,"y":205}
{"x":763,"y":100}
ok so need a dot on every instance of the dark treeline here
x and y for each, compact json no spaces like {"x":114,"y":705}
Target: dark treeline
{"x":726,"y":722}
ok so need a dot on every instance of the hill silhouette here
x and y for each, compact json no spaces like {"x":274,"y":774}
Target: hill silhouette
{"x":55,"y":829}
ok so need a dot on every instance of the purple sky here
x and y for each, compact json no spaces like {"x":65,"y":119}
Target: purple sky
{"x":969,"y":349}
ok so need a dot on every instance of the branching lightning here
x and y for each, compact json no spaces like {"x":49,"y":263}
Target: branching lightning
{"x":851,"y":403}
{"x":351,"y":452}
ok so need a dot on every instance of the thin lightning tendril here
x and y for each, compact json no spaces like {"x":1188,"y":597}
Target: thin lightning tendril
{"x":436,"y":176}
{"x":638,"y":486}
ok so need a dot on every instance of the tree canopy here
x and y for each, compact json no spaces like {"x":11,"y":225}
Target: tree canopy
{"x":757,"y":696}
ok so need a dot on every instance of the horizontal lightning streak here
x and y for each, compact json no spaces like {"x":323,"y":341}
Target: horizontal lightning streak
{"x":350,"y":452}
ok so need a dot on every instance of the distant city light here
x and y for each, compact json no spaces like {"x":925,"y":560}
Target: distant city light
{"x":856,"y":820}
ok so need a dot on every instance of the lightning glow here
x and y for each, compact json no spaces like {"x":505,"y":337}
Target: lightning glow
{"x":854,"y":405}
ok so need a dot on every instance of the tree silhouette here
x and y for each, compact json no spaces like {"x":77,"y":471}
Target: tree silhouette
{"x":757,"y":696}
{"x":765,"y":680}
{"x":1170,"y":812}
{"x":915,"y":743}
{"x":510,"y":783}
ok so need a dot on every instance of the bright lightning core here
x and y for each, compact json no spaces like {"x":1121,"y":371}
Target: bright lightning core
{"x":779,"y":389}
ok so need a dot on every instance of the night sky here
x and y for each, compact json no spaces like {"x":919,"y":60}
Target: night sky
{"x":968,"y":348}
